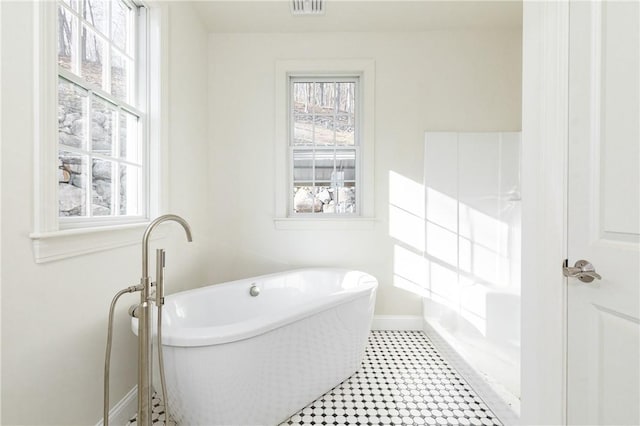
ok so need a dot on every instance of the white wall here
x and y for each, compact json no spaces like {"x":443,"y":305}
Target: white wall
{"x":438,"y":81}
{"x":54,"y":314}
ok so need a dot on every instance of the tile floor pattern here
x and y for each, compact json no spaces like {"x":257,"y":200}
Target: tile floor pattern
{"x":403,"y":380}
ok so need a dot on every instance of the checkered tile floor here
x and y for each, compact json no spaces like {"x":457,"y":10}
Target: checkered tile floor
{"x":403,"y":380}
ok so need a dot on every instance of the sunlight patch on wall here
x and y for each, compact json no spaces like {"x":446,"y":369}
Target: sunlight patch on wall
{"x":410,"y":271}
{"x":406,"y":211}
{"x":483,"y":229}
{"x":406,"y":228}
{"x":406,"y":194}
{"x":442,"y":244}
{"x":473,"y":304}
{"x":443,"y":285}
{"x":442,"y":210}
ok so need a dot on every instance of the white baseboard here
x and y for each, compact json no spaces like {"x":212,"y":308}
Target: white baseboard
{"x":396,"y":322}
{"x":122,"y":412}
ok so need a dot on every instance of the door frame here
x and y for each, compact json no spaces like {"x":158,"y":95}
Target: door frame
{"x":545,"y":125}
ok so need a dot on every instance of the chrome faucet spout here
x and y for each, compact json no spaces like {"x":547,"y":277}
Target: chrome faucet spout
{"x":147,"y":234}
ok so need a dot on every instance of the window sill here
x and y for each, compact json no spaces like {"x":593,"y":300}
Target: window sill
{"x":57,"y":245}
{"x":322,"y":224}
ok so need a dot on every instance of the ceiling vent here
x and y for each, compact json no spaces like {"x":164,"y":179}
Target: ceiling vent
{"x":307,"y":7}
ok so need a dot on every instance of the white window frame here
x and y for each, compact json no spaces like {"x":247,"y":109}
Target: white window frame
{"x":285,"y":218}
{"x":294,"y":78}
{"x":51,"y":241}
{"x":139,"y":108}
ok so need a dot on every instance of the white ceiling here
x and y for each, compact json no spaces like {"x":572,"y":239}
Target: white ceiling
{"x":259,"y":16}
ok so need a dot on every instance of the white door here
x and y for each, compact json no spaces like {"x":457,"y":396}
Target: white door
{"x":603,"y":213}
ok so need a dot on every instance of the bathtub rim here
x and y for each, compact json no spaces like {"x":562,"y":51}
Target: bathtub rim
{"x":255,"y":326}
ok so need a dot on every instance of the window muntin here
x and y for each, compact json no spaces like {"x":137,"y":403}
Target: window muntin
{"x":324,"y":146}
{"x":102,"y":154}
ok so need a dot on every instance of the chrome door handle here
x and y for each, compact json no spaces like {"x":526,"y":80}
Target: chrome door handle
{"x":583,"y":270}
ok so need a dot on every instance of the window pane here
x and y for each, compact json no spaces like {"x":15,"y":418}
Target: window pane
{"x":72,"y":178}
{"x":303,"y":97}
{"x":324,"y":165}
{"x":345,"y":130}
{"x":129,"y":146}
{"x":96,"y":12}
{"x":325,"y":98}
{"x":130,"y":190}
{"x":305,"y":200}
{"x":72,"y":112}
{"x":327,"y":196}
{"x":119,"y":76}
{"x":101,"y":199}
{"x":303,"y":130}
{"x":345,"y":98}
{"x":323,"y":130}
{"x":346,"y":163}
{"x":92,"y":57}
{"x":345,"y":201}
{"x":67,"y":28}
{"x":302,"y":165}
{"x":103,"y":116}
{"x":120,"y":24}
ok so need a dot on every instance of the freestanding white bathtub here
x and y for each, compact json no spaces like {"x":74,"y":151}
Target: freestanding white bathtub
{"x":235,"y":359}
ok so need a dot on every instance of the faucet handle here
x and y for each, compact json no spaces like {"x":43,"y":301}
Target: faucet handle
{"x":133,"y":310}
{"x":152,"y":292}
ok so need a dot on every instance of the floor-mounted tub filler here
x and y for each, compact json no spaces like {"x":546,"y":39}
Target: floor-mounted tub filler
{"x":144,"y":311}
{"x":255,"y":351}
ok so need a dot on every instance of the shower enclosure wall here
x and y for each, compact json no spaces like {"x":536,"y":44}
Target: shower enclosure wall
{"x":472,"y":253}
